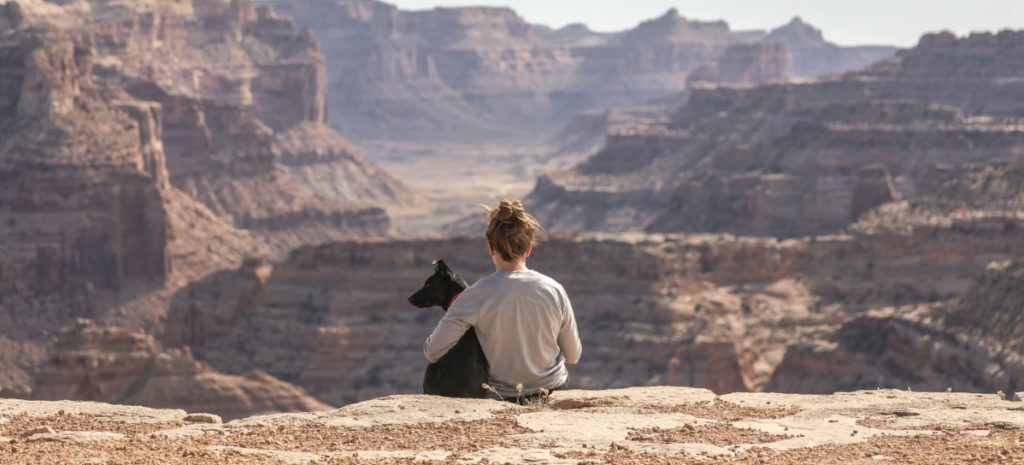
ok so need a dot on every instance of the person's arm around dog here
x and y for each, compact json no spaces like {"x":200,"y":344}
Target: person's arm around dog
{"x":457,"y":320}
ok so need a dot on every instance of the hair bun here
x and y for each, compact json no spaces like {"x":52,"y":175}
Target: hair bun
{"x":510,"y":229}
{"x":509,"y":212}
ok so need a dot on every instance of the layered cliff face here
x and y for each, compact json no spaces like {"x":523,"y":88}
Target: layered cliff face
{"x":239,"y":87}
{"x":721,"y":312}
{"x":147,"y":144}
{"x":991,"y":308}
{"x":82,"y":194}
{"x":110,"y":364}
{"x":950,"y":196}
{"x":799,"y":158}
{"x":471,"y":74}
{"x":82,"y":181}
{"x":899,"y":350}
{"x":969,"y":343}
{"x":794,"y":50}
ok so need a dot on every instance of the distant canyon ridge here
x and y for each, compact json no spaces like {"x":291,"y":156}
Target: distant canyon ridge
{"x":485,"y":74}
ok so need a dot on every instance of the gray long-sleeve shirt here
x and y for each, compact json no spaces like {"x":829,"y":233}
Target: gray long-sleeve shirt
{"x":525,"y":325}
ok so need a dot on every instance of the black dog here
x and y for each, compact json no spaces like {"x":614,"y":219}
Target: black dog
{"x":463,"y":370}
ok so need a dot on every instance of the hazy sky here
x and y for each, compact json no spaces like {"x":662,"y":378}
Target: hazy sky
{"x":847,"y":22}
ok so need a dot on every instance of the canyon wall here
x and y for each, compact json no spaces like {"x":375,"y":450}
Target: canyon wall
{"x":82,"y":199}
{"x":485,"y":74}
{"x":716,"y":311}
{"x":82,"y":206}
{"x":243,"y":97}
{"x":148,"y":144}
{"x":800,"y":158}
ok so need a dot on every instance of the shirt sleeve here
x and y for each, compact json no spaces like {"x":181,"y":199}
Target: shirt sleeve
{"x":457,"y":320}
{"x":569,"y":336}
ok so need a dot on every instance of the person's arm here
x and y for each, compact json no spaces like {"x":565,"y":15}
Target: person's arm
{"x":460,"y":317}
{"x":568,"y":335}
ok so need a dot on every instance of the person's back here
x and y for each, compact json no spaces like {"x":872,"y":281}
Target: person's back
{"x":523,"y":319}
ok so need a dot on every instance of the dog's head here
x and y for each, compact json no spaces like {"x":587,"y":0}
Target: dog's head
{"x":439,"y":289}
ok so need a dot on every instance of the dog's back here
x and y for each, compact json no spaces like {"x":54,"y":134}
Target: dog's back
{"x":463,"y":370}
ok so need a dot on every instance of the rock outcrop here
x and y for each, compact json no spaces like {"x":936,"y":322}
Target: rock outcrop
{"x":235,"y":105}
{"x":109,"y":364}
{"x":809,"y":54}
{"x":746,"y":63}
{"x":895,"y":351}
{"x":481,"y":74}
{"x":82,"y":185}
{"x":789,"y":159}
{"x":82,"y":194}
{"x":624,"y":426}
{"x":970,"y":343}
{"x":992,"y":306}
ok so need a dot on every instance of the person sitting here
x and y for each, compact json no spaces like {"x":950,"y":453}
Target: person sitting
{"x":523,"y":318}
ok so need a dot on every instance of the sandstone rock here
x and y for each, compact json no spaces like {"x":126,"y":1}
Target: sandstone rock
{"x":113,"y":364}
{"x":39,"y":430}
{"x":893,"y":352}
{"x":809,"y":54}
{"x":614,"y":426}
{"x":709,"y":365}
{"x":874,"y":187}
{"x":318,"y":158}
{"x":49,"y":85}
{"x":746,"y":63}
{"x":977,"y":197}
{"x":108,"y":181}
{"x":202,"y":418}
{"x":78,"y":437}
{"x":990,"y":309}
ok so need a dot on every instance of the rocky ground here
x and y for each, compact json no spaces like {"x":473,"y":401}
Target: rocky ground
{"x":652,"y":425}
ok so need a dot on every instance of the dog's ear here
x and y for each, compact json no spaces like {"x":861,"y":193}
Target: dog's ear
{"x":440,"y":265}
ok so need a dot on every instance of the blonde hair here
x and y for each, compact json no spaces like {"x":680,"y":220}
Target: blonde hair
{"x":510,"y":229}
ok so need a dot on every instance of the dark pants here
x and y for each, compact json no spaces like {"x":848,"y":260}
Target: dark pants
{"x":537,"y":396}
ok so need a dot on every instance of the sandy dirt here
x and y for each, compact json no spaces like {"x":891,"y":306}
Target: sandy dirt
{"x":628,"y":426}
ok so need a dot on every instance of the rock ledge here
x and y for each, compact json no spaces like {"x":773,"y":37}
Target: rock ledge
{"x":633,"y":425}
